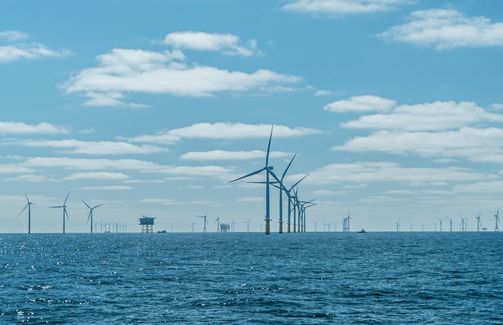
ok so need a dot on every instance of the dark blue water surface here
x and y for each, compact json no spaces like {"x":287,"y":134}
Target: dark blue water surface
{"x":310,"y":278}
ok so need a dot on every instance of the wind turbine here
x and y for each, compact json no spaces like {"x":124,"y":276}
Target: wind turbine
{"x":281,"y":194}
{"x":267,"y":170}
{"x":305,"y":206}
{"x":450,"y":224}
{"x":397,"y":224}
{"x":440,"y":223}
{"x":217,"y":221}
{"x":28,"y":205}
{"x":193,"y":223}
{"x":205,"y":221}
{"x":248,"y":225}
{"x":65,"y":213}
{"x":91,"y":213}
{"x":497,"y":220}
{"x":478,"y":222}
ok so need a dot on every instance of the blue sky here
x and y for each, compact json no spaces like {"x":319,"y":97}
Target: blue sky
{"x":149,"y":107}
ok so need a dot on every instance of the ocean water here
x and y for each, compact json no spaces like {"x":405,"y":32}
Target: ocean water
{"x":243,"y":278}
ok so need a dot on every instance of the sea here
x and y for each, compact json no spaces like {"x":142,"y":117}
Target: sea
{"x":250,"y":278}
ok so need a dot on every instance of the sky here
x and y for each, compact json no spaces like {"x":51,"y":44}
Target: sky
{"x":394,"y":108}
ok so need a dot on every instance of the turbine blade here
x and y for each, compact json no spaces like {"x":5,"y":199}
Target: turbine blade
{"x":87,"y":205}
{"x":268,"y":148}
{"x":248,"y":175}
{"x":287,"y":167}
{"x":89,"y":217}
{"x":27,"y":199}
{"x":66,"y":214}
{"x":66,"y":198}
{"x":56,"y":207}
{"x":97,"y":206}
{"x":303,"y":178}
{"x":23,"y":209}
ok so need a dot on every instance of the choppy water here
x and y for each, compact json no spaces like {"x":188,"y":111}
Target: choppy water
{"x":444,"y":278}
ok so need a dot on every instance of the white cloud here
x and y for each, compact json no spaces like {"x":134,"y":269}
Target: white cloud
{"x":365,"y":103}
{"x":446,"y":28}
{"x":365,"y":172}
{"x":475,"y":144}
{"x":105,"y":176}
{"x":13,"y":169}
{"x":480,"y":187}
{"x":427,"y":117}
{"x":228,"y":44}
{"x":107,"y":188}
{"x":322,"y":92}
{"x":18,"y":47}
{"x":9,"y":127}
{"x":126,"y":164}
{"x":250,"y":199}
{"x":341,"y":7}
{"x":231,"y":155}
{"x":94,"y":147}
{"x":32,"y":178}
{"x":13,"y":35}
{"x":128,"y":71}
{"x":224,"y":130}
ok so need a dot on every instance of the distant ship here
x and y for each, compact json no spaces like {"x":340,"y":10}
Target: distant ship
{"x":362,"y":231}
{"x":162,"y":232}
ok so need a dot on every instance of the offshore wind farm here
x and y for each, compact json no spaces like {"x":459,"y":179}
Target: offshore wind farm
{"x":251,"y":162}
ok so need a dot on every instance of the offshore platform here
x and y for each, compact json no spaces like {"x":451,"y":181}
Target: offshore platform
{"x":147,"y":224}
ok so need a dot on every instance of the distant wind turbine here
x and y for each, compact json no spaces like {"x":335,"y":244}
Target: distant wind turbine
{"x":205,"y":221}
{"x":28,"y":205}
{"x":479,"y":225}
{"x":91,"y":213}
{"x":497,"y":220}
{"x":217,"y":221}
{"x":65,"y":213}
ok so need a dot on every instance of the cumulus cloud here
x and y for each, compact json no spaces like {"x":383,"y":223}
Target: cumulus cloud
{"x":228,"y":44}
{"x":366,"y":172}
{"x":366,"y":103}
{"x":443,"y":130}
{"x":9,"y":127}
{"x":104,"y":176}
{"x":427,"y":117}
{"x":224,"y":130}
{"x":93,"y":147}
{"x":101,"y":164}
{"x":17,"y":47}
{"x":231,"y":155}
{"x":475,"y":144}
{"x":127,"y":71}
{"x":446,"y":28}
{"x":342,"y":7}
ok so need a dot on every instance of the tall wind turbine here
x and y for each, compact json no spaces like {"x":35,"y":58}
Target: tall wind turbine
{"x":397,"y":224}
{"x":497,"y":220}
{"x":28,"y":205}
{"x":65,"y":213}
{"x":248,"y":225}
{"x":450,"y":224}
{"x":205,"y":221}
{"x":267,"y":170}
{"x":91,"y":213}
{"x":440,"y":223}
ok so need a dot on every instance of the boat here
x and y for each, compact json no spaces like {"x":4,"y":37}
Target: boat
{"x":362,"y":231}
{"x":162,"y":232}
